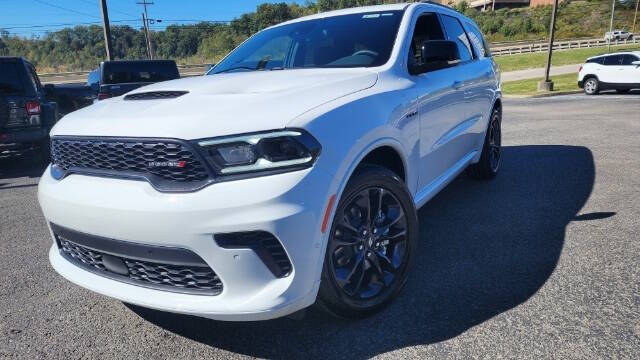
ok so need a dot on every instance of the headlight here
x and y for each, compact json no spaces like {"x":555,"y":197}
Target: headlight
{"x":261,"y":153}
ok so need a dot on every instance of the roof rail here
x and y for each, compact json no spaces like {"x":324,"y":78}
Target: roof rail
{"x":434,"y":3}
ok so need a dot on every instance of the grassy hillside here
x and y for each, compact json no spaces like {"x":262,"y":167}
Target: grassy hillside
{"x":576,"y":18}
{"x":82,"y":47}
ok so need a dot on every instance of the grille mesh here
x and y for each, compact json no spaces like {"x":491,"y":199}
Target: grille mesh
{"x":174,"y":277}
{"x":140,"y":156}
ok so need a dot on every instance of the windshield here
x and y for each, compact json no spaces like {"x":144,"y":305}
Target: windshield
{"x":356,"y":40}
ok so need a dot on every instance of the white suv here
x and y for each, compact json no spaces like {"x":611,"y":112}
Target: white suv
{"x":290,"y":173}
{"x":619,"y":71}
{"x":618,"y":35}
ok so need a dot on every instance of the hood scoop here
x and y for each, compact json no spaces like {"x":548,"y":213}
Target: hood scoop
{"x":155,"y":95}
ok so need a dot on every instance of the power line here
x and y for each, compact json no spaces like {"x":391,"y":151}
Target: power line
{"x":65,"y":9}
{"x":65,"y":24}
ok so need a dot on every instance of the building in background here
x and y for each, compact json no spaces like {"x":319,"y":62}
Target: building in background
{"x":535,"y":3}
{"x":499,"y":4}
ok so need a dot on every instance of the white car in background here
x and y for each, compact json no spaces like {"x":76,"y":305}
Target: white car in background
{"x":291,"y":172}
{"x":617,"y":71}
{"x":618,"y":35}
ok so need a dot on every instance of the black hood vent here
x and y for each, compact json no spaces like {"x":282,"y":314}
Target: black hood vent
{"x":155,"y":95}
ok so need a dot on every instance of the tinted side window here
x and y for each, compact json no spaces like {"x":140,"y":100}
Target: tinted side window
{"x":478,"y":41}
{"x":596,"y":60}
{"x":427,"y":28}
{"x":629,"y":59}
{"x":613,"y":60}
{"x":456,"y":33}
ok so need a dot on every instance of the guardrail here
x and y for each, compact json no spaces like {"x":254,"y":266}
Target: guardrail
{"x":560,"y":45}
{"x":181,"y":69}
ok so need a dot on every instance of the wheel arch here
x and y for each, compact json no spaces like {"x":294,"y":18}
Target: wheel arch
{"x":387,"y":157}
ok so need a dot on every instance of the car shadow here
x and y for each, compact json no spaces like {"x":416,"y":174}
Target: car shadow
{"x":486,"y":247}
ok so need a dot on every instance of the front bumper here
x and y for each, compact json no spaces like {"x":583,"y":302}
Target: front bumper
{"x":290,"y":206}
{"x":580,"y":84}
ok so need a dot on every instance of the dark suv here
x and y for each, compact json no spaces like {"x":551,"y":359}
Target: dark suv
{"x":25,"y":115}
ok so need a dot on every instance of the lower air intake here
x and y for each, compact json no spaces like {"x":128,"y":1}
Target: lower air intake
{"x":264,"y":244}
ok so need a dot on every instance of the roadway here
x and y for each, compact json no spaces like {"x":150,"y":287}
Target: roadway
{"x":541,"y":262}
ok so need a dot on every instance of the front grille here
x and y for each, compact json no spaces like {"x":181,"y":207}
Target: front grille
{"x":155,"y":95}
{"x":264,"y":244}
{"x":171,"y":277}
{"x":157,"y":160}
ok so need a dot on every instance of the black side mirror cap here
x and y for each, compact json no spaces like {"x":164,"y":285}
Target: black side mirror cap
{"x":435,"y":55}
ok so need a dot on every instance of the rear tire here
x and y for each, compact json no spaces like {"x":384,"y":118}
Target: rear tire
{"x":591,"y":86}
{"x":489,"y":164}
{"x":371,"y":244}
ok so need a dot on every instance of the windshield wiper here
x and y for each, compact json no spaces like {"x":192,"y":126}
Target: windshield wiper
{"x":236,"y":68}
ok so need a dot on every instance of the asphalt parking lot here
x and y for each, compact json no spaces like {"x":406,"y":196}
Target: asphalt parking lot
{"x":542,"y":262}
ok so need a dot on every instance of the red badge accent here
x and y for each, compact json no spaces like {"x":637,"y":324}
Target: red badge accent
{"x":181,"y":164}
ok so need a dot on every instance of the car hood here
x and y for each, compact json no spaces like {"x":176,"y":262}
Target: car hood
{"x":216,"y":105}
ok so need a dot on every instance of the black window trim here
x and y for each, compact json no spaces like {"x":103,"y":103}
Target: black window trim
{"x":444,"y":28}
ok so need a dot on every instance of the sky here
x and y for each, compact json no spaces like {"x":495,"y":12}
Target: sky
{"x":36,"y":17}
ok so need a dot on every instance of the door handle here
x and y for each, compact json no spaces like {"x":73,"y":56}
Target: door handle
{"x":457,"y":85}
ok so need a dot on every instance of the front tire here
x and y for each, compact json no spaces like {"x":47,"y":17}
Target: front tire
{"x":591,"y":86}
{"x":489,"y":164}
{"x":371,"y":244}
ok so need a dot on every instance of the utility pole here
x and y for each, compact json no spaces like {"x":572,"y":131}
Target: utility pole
{"x":613,"y":9}
{"x":145,"y":20}
{"x":493,"y":5}
{"x":107,"y":30}
{"x":146,"y":36}
{"x":635,"y":16}
{"x":547,"y":84}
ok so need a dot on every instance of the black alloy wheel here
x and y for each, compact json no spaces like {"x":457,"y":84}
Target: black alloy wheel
{"x":495,"y":142}
{"x":370,"y":246}
{"x":489,"y":164}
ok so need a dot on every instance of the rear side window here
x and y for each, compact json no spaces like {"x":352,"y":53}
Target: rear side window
{"x":135,"y":72}
{"x":596,"y":60}
{"x":629,"y":59}
{"x":613,"y":60}
{"x":478,"y":41}
{"x":456,"y":33}
{"x":10,"y":82}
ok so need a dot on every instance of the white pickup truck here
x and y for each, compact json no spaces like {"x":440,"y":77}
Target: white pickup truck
{"x":289,"y":175}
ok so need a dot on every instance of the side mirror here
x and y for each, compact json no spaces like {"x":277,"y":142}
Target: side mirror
{"x":436,"y":55}
{"x":636,"y":63}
